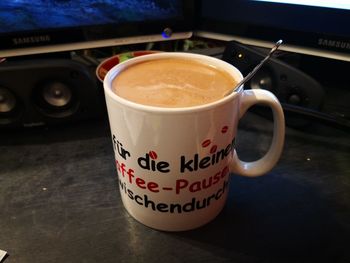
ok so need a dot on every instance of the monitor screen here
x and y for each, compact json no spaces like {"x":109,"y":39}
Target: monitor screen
{"x":314,"y":27}
{"x":32,"y":27}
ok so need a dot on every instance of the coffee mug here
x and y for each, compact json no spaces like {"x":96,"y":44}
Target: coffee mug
{"x":174,"y":164}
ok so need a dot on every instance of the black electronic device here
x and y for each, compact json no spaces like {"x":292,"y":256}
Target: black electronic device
{"x":317,"y":28}
{"x":51,"y":26}
{"x":302,"y":97}
{"x":289,"y":84}
{"x":42,"y":92}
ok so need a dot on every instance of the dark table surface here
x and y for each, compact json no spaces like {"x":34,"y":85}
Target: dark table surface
{"x":59,"y":201}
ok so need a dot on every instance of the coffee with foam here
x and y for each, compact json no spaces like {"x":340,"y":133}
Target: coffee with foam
{"x":172,"y":83}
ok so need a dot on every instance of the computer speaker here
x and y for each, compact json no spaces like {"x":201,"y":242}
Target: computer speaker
{"x":301,"y":96}
{"x":289,"y":84}
{"x":48,"y":91}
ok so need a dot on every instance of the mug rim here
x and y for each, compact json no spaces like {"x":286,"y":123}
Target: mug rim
{"x":230,"y":69}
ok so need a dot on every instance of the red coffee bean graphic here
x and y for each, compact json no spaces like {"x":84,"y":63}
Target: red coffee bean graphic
{"x":213,"y":149}
{"x":153,"y":155}
{"x":206,"y":143}
{"x":224,"y":129}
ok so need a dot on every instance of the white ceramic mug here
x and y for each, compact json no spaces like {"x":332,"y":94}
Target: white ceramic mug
{"x":174,"y":163}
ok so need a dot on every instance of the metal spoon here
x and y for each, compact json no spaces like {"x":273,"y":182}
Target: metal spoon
{"x":239,"y":86}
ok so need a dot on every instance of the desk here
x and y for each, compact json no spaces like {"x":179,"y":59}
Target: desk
{"x":60,"y":203}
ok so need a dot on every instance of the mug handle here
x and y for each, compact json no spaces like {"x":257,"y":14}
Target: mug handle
{"x":269,"y":160}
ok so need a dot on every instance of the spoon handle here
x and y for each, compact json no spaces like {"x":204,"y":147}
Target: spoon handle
{"x":257,"y":67}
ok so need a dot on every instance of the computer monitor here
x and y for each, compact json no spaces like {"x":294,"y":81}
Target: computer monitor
{"x":43,"y":26}
{"x":313,"y":27}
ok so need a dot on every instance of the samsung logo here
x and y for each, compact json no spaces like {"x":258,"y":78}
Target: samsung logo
{"x":333,"y":43}
{"x":31,"y":40}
